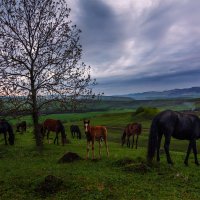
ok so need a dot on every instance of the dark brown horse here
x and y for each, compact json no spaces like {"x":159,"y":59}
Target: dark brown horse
{"x":54,"y":126}
{"x":5,"y":128}
{"x":131,"y":130}
{"x":97,"y":133}
{"x":21,"y":127}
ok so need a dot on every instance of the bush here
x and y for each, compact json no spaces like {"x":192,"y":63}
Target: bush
{"x":146,"y":112}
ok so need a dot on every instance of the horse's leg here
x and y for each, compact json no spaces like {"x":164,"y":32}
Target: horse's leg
{"x":188,"y":152}
{"x":48,"y":136}
{"x":99,"y":149}
{"x":166,"y":146}
{"x":158,"y":148}
{"x":133,"y":141}
{"x":195,"y":152}
{"x":106,"y":144}
{"x":88,"y":148}
{"x":93,"y":139}
{"x":136,"y":141}
{"x":128,"y":141}
{"x":56,"y":138}
{"x":6,"y":143}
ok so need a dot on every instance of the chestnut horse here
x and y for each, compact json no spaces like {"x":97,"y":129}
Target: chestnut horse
{"x":131,"y":130}
{"x":93,"y":133}
{"x":55,"y":126}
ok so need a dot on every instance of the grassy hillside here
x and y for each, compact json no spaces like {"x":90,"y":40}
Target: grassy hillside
{"x":124,"y":175}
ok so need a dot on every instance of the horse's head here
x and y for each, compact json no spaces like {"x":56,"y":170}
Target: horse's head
{"x":86,"y":125}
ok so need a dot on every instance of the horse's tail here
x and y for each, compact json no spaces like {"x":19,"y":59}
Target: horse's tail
{"x":153,"y":140}
{"x":123,"y":137}
{"x":43,"y":128}
{"x":11,"y":138}
{"x":138,"y":129}
{"x":62,"y":131}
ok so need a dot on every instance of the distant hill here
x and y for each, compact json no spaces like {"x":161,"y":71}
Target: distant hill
{"x":193,"y":92}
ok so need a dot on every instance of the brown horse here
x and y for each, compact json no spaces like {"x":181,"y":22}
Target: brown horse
{"x":93,"y":133}
{"x":131,"y":130}
{"x":55,"y":126}
{"x":21,"y":127}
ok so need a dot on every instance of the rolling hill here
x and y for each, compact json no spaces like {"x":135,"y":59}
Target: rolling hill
{"x":193,"y":92}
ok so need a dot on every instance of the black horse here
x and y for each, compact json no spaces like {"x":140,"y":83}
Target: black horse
{"x":178,"y":125}
{"x":75,"y":130}
{"x":5,"y":128}
{"x":21,"y":127}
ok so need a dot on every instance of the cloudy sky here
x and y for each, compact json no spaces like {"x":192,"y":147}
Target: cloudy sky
{"x":140,"y":45}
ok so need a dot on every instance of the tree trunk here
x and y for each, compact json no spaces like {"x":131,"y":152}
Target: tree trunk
{"x":37,"y":131}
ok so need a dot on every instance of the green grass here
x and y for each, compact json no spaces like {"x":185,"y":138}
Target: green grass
{"x":22,"y":168}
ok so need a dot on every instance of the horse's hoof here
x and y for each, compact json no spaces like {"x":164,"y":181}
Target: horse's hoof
{"x":197,"y":163}
{"x":186,"y":163}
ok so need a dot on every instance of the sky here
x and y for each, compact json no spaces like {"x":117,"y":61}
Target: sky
{"x":139,"y":45}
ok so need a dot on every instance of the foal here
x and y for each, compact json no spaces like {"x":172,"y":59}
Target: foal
{"x":95,"y":133}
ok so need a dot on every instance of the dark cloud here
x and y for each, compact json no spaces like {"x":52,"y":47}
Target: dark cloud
{"x":143,"y":45}
{"x":101,"y":30}
{"x":128,"y":84}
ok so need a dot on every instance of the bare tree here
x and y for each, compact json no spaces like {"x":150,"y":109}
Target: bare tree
{"x":40,"y":55}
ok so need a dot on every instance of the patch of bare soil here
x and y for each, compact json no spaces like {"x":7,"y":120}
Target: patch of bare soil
{"x":141,"y":168}
{"x":50,"y":185}
{"x":137,"y":165}
{"x":123,"y":162}
{"x":69,"y":157}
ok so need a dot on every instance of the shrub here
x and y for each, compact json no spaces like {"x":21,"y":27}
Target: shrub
{"x":146,"y":112}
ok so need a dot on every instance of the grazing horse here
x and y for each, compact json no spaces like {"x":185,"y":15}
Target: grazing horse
{"x":95,"y":133}
{"x":5,"y":128}
{"x":21,"y":127}
{"x":75,"y":130}
{"x":173,"y":124}
{"x":55,"y":126}
{"x":131,"y":130}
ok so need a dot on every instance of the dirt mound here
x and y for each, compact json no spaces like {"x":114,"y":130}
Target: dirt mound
{"x":137,"y":165}
{"x":138,"y":168}
{"x":50,"y":185}
{"x":123,"y":162}
{"x":69,"y":157}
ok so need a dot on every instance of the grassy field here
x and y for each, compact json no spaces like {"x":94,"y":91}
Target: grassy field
{"x":124,"y":175}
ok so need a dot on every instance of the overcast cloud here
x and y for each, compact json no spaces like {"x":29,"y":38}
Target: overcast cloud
{"x":140,"y":45}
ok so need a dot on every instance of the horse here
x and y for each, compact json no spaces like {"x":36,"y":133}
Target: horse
{"x":5,"y":128}
{"x":131,"y":130}
{"x":55,"y":126}
{"x":75,"y":130}
{"x":181,"y":126}
{"x":95,"y":133}
{"x":21,"y":127}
